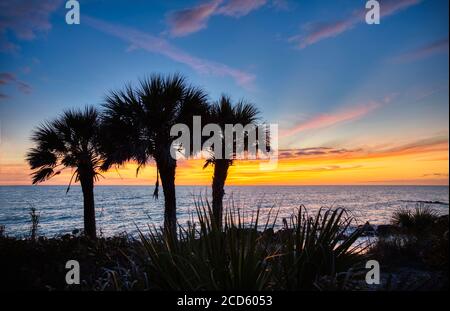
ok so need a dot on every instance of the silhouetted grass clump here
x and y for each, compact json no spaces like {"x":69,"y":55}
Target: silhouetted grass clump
{"x":40,"y":264}
{"x":421,"y":240}
{"x":240,"y":257}
{"x":246,"y":254}
{"x":2,"y":231}
{"x":35,"y":216}
{"x":418,"y":221}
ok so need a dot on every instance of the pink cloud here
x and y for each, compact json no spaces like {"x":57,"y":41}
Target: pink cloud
{"x":420,"y":93}
{"x":190,"y":20}
{"x":141,"y":40}
{"x":10,"y":78}
{"x":318,"y":32}
{"x":315,"y":32}
{"x":24,"y":87}
{"x":327,"y":120}
{"x":6,"y":77}
{"x":6,"y":46}
{"x":238,"y":8}
{"x":433,"y":48}
{"x":193,"y":19}
{"x":24,"y":18}
{"x":417,"y":146}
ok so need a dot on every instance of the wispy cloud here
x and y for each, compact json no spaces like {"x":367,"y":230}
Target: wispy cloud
{"x":315,"y":32}
{"x":430,"y":49}
{"x":25,"y":19}
{"x":10,"y":78}
{"x":238,"y":8}
{"x":330,"y":119}
{"x":6,"y":77}
{"x":419,"y":146}
{"x":420,"y":93}
{"x":312,"y":165}
{"x":316,"y":152}
{"x":435,"y":175}
{"x":437,"y":143}
{"x":154,"y":44}
{"x":190,"y":20}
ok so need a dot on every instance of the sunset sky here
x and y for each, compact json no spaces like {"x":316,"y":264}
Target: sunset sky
{"x":355,"y":103}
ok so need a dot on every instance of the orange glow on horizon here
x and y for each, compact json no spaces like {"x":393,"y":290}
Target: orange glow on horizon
{"x":422,"y":163}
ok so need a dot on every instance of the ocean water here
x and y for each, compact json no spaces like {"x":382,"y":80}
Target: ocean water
{"x":122,"y":209}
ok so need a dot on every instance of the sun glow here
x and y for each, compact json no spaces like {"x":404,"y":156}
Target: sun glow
{"x":420,"y":163}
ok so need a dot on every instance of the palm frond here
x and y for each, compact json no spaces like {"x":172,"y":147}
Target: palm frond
{"x":42,"y":174}
{"x":71,"y":140}
{"x":137,"y":121}
{"x":41,"y":158}
{"x":242,"y":113}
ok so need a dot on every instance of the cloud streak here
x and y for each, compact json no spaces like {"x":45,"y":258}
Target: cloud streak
{"x":437,"y":143}
{"x":10,"y":78}
{"x":430,"y":49}
{"x":141,"y":40}
{"x":315,"y":32}
{"x":419,"y":146}
{"x":435,"y":175}
{"x":327,"y":120}
{"x":191,"y":20}
{"x":239,"y":8}
{"x":316,"y":152}
{"x":313,"y":165}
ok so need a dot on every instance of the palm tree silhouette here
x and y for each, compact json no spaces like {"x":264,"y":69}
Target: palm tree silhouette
{"x":70,"y":141}
{"x":221,"y":113}
{"x":137,"y":125}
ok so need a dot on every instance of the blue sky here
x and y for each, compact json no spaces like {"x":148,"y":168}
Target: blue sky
{"x":313,"y":67}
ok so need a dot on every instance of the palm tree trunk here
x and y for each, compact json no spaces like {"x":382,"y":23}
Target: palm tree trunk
{"x":220,"y":175}
{"x":87,"y":186}
{"x":167,"y":167}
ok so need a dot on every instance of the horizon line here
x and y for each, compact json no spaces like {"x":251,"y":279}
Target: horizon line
{"x":255,"y":185}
